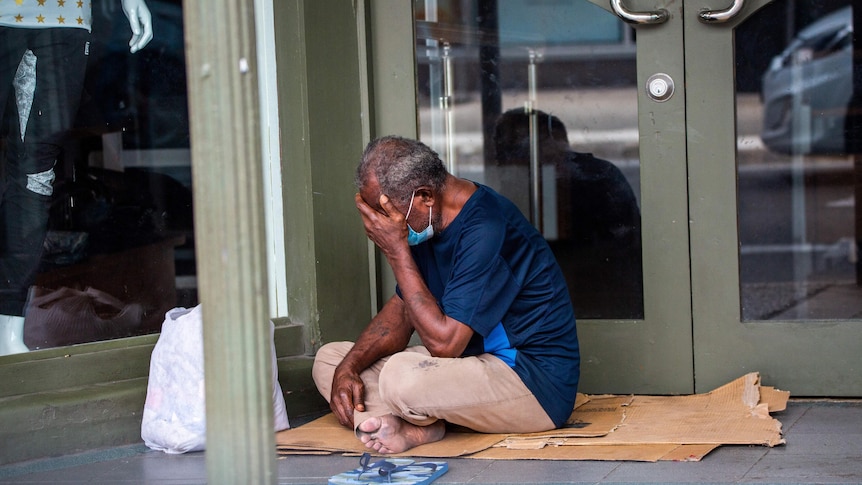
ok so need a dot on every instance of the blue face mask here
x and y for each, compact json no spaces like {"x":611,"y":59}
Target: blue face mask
{"x":413,"y":237}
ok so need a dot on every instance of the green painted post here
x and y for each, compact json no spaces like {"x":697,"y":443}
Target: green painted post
{"x":229,"y":237}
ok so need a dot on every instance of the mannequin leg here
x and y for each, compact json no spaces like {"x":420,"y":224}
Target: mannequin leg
{"x":29,"y":166}
{"x":12,"y":335}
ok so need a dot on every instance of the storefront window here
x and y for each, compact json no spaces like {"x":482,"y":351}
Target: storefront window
{"x":97,"y":234}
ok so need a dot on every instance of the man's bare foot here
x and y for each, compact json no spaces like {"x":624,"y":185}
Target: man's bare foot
{"x":391,"y":434}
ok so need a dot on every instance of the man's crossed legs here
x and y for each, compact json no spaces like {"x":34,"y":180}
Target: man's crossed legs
{"x":410,"y":394}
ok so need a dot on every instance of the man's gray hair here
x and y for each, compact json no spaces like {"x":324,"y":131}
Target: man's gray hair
{"x":401,"y":165}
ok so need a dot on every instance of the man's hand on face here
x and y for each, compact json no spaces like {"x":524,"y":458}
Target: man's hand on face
{"x":348,"y":394}
{"x":385,"y":227}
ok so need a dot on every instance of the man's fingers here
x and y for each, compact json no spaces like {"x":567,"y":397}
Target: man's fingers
{"x":347,"y":396}
{"x":384,"y":226}
{"x":360,"y":202}
{"x":342,"y":407}
{"x":365,"y":210}
{"x":385,"y":203}
{"x":359,"y":398}
{"x":389,"y":207}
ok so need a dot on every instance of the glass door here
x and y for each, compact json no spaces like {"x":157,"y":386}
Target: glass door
{"x":545,"y":101}
{"x":774,"y":150}
{"x":695,"y":169}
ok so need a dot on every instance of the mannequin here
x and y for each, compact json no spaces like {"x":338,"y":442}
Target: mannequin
{"x":43,"y":56}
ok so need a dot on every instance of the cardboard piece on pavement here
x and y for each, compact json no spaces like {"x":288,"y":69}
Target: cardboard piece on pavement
{"x":776,"y":399}
{"x":606,"y":427}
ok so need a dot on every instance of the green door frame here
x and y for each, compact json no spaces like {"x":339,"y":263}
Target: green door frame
{"x":653,"y":355}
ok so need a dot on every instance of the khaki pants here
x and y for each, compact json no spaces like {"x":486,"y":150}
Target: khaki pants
{"x":481,"y":393}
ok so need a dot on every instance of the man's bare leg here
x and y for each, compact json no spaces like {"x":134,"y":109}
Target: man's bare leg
{"x":391,"y":434}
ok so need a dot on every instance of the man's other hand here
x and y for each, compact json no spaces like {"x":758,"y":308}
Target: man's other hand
{"x":348,"y":394}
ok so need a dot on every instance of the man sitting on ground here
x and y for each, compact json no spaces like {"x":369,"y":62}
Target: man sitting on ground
{"x":480,"y":287}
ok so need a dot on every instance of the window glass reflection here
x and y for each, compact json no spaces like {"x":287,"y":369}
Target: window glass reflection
{"x":538,"y":100}
{"x":798,"y":162}
{"x":96,"y":205}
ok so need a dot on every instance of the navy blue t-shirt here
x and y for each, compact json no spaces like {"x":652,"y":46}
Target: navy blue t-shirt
{"x":491,"y":270}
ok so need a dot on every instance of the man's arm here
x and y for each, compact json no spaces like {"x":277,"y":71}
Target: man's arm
{"x":442,"y":336}
{"x":388,"y":332}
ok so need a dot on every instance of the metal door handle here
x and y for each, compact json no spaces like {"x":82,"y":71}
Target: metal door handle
{"x":656,"y":17}
{"x":720,"y":16}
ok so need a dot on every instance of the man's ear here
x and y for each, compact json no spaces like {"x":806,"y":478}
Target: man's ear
{"x":426,"y":194}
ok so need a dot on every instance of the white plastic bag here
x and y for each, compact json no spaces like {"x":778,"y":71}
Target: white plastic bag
{"x":174,"y":419}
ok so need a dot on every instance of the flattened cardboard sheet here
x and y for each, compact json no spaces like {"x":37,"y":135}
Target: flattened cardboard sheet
{"x":776,"y":399}
{"x":607,"y":427}
{"x":731,"y":414}
{"x":595,"y":416}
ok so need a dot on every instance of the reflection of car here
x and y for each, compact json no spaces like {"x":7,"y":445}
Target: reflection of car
{"x":815,"y":71}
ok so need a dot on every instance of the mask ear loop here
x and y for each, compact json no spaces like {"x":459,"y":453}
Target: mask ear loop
{"x":409,"y":208}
